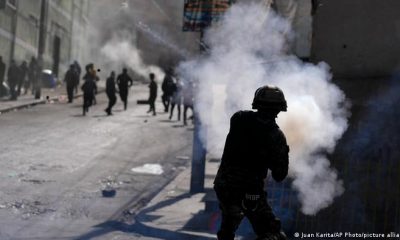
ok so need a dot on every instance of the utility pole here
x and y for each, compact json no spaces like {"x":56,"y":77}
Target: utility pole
{"x":199,"y":146}
{"x":195,"y":24}
{"x":42,"y":45}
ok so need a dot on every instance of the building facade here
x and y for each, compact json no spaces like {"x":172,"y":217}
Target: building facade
{"x":66,"y":24}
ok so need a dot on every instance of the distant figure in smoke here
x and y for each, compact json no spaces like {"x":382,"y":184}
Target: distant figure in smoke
{"x":33,"y":75}
{"x":254,"y":144}
{"x":176,"y":99}
{"x":111,"y":91}
{"x":78,"y":71}
{"x":23,"y":71}
{"x":12,"y":77}
{"x":167,"y":87}
{"x":187,"y":100}
{"x":124,"y":82}
{"x":71,"y":77}
{"x":153,"y":87}
{"x":89,"y":87}
{"x":2,"y":73}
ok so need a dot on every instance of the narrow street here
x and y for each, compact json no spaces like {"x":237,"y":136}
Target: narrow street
{"x":55,"y":163}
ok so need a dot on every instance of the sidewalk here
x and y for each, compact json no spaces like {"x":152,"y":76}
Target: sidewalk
{"x":47,"y":94}
{"x":174,"y":214}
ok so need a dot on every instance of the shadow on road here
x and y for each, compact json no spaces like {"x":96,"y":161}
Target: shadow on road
{"x":100,"y":116}
{"x":178,"y":126}
{"x":139,"y":228}
{"x":165,"y":121}
{"x":77,"y":115}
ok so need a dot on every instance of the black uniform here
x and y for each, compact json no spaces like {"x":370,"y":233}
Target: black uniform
{"x":187,"y":100}
{"x":89,"y":89}
{"x":110,"y":91}
{"x":33,"y":75}
{"x":71,"y":77}
{"x":124,"y":81}
{"x":153,"y":96}
{"x":2,"y":70}
{"x":78,"y":71}
{"x":13,"y":76}
{"x":176,"y":99}
{"x":2,"y":73}
{"x":254,"y":144}
{"x":168,"y":89}
{"x":23,"y":71}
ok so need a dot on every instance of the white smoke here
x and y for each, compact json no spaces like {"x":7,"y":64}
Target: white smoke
{"x":248,"y":49}
{"x":120,"y":51}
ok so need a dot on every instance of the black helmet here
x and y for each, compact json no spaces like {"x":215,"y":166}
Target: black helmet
{"x":269,"y":98}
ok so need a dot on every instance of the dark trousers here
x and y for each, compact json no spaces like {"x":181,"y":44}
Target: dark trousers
{"x":123,"y":93}
{"x":13,"y":91}
{"x":27,"y":84}
{"x":185,"y":108}
{"x":70,"y":92}
{"x":235,"y":206}
{"x":152,"y":103}
{"x":87,"y":102}
{"x":112,"y":99}
{"x":77,"y":85}
{"x":166,"y":99}
{"x":20,"y":83}
{"x":172,"y":110}
{"x":2,"y":89}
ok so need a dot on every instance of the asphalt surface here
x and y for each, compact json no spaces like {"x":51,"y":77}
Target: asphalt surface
{"x":55,"y":163}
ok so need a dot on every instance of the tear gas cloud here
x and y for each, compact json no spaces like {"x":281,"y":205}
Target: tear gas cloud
{"x":121,"y":52}
{"x":248,"y":49}
{"x":116,"y":38}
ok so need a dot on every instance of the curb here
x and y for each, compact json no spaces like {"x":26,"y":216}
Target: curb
{"x":37,"y":102}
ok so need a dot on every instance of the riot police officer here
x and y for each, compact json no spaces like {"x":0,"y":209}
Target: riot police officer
{"x":254,"y":144}
{"x":124,"y":82}
{"x":89,"y":87}
{"x":110,"y":91}
{"x":71,"y":78}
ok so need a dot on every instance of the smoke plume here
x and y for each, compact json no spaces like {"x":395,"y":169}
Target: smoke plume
{"x":115,"y":35}
{"x":121,"y":52}
{"x":248,"y":49}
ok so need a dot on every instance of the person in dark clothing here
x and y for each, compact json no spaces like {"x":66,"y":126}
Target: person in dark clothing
{"x":153,"y":94}
{"x":254,"y":144}
{"x":187,"y":100}
{"x":167,"y":87}
{"x":33,"y":75}
{"x":89,"y":87}
{"x":12,"y":77}
{"x":124,"y":82}
{"x":71,"y":77}
{"x":2,"y":73}
{"x":111,"y":91}
{"x":78,"y":71}
{"x":176,"y":99}
{"x":23,"y":72}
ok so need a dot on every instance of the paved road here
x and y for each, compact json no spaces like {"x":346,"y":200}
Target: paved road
{"x":54,"y":164}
